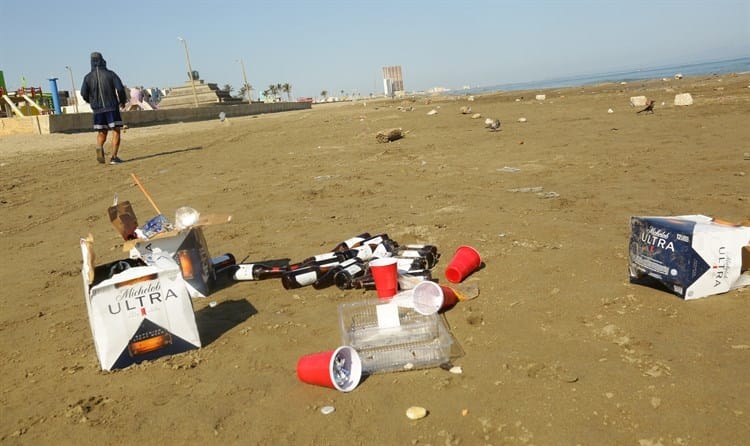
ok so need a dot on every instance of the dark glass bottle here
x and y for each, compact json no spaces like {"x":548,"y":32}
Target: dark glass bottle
{"x":410,"y":263}
{"x":366,"y":282}
{"x":328,"y":278}
{"x":345,"y":275}
{"x":427,"y":252}
{"x":381,"y":245}
{"x":256,"y":271}
{"x":306,"y":275}
{"x":352,"y":242}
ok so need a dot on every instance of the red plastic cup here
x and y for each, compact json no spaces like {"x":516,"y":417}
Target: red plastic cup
{"x":429,"y":297}
{"x":339,"y":369}
{"x":465,"y":261}
{"x":385,"y":272}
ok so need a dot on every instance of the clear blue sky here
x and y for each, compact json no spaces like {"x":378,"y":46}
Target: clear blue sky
{"x":332,"y":45}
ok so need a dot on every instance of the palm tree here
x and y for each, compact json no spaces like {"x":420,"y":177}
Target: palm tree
{"x":274,"y":91}
{"x":286,"y":88}
{"x":245,"y":91}
{"x":324,"y":93}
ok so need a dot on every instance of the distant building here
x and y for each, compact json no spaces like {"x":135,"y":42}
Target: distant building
{"x":393,"y":81}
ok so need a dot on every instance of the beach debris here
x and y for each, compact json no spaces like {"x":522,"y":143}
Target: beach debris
{"x":678,"y":76}
{"x":456,"y":370}
{"x":683,"y":99}
{"x":492,"y":124}
{"x":213,"y":304}
{"x":465,"y":110}
{"x":405,"y":109}
{"x":549,"y":194}
{"x":518,"y":99}
{"x":527,"y":189}
{"x":747,"y":156}
{"x":610,"y":111}
{"x":476,"y":116}
{"x":541,"y":97}
{"x":470,"y":99}
{"x":638,"y":101}
{"x":508,"y":169}
{"x":389,"y":135}
{"x":649,"y":108}
{"x":416,"y":412}
{"x":432,"y":112}
{"x":327,"y":410}
{"x":522,"y":119}
{"x":663,"y":103}
{"x":464,"y":412}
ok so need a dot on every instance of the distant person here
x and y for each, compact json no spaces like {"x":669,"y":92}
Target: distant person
{"x":103,"y":89}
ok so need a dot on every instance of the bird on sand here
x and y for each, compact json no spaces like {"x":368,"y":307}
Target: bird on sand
{"x":492,"y":124}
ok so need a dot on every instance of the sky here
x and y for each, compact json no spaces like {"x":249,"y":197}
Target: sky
{"x":336,"y":46}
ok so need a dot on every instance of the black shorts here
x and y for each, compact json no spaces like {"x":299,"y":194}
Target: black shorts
{"x":107,"y":120}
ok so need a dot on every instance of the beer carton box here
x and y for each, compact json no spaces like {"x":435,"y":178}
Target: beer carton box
{"x":692,"y":256}
{"x":136,"y":313}
{"x":186,"y":250}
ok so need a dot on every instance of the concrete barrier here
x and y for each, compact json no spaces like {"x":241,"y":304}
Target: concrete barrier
{"x":78,"y":122}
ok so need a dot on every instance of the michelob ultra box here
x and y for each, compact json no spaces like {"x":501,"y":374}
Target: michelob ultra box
{"x":185,"y":250}
{"x":692,"y":256}
{"x":136,"y":313}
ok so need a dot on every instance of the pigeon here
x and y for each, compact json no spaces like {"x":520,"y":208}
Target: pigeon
{"x":492,"y":124}
{"x":649,"y":108}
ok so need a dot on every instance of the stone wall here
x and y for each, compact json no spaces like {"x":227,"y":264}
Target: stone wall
{"x":78,"y":122}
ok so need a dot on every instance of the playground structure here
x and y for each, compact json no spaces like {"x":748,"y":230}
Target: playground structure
{"x":25,"y":102}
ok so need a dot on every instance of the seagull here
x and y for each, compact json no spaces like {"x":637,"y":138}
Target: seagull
{"x":649,"y":108}
{"x":492,"y":124}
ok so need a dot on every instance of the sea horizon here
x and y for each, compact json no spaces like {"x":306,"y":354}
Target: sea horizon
{"x":724,"y":66}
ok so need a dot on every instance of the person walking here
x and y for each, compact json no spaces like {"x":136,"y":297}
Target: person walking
{"x":103,"y":89}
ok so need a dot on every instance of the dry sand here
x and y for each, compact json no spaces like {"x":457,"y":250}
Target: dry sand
{"x":560,"y":349}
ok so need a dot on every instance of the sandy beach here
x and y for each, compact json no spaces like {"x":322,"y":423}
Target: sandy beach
{"x":558,"y":348}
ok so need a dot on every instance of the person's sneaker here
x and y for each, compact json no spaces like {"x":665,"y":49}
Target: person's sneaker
{"x":115,"y":160}
{"x":100,"y":155}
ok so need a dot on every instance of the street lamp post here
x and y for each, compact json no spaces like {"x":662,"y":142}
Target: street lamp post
{"x":73,"y":84}
{"x":190,"y":70}
{"x":244,"y":78}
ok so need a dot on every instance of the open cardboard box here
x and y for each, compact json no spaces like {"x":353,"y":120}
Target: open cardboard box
{"x":692,"y":256}
{"x":136,"y":313}
{"x":185,"y":249}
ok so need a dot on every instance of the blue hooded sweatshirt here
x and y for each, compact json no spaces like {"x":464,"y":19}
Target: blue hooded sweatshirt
{"x":102,"y":88}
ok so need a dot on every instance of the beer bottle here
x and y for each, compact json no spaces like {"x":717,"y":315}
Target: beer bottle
{"x":306,"y":275}
{"x":345,"y":274}
{"x":334,"y":256}
{"x":366,"y":282}
{"x":381,"y":245}
{"x":410,"y":263}
{"x":427,"y":252}
{"x":328,"y":277}
{"x":256,"y":271}
{"x":410,"y":279}
{"x":352,"y":242}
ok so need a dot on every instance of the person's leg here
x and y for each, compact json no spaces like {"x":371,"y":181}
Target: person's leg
{"x":115,"y":141}
{"x":101,"y":138}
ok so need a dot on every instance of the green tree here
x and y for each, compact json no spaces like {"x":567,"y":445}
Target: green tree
{"x":324,"y":93}
{"x":287,"y":88}
{"x":228,"y":88}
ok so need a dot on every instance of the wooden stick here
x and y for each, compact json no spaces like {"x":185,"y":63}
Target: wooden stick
{"x":148,"y":197}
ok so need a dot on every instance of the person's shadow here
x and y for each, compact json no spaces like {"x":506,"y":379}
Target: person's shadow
{"x":170,"y":152}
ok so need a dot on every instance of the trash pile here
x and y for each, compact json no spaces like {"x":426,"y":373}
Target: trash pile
{"x":140,"y":307}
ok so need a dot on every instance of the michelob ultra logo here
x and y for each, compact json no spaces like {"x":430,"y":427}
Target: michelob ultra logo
{"x":657,"y":238}
{"x":140,"y":294}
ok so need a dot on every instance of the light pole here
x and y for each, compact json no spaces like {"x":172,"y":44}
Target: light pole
{"x":244,"y":78}
{"x":73,"y":84}
{"x":190,"y":70}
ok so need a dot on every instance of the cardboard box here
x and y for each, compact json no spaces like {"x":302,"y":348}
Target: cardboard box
{"x":692,"y":256}
{"x":185,"y":250}
{"x":136,"y":313}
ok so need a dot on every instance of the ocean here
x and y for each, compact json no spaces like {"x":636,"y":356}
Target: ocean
{"x":737,"y":65}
